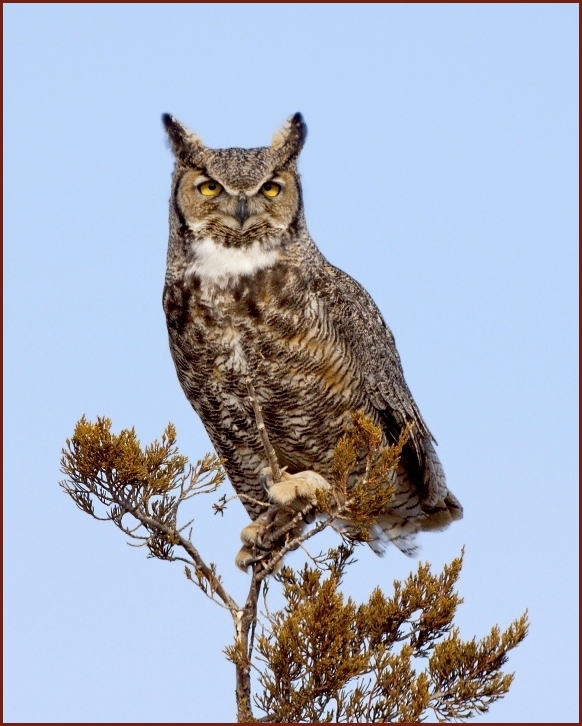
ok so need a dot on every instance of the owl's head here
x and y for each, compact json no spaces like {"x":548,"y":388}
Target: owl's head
{"x":236,"y":197}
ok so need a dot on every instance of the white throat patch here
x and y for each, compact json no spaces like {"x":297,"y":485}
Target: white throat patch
{"x":223,"y":265}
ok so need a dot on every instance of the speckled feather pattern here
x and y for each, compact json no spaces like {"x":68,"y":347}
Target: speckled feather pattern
{"x":311,"y":338}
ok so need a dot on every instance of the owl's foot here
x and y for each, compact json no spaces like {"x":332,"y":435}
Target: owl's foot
{"x":295,"y":490}
{"x":293,"y":494}
{"x":260,"y":536}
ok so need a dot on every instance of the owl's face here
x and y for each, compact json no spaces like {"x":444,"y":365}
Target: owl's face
{"x":237,"y":197}
{"x":215,"y":204}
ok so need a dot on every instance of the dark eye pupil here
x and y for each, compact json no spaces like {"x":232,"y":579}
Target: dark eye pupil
{"x":268,"y":187}
{"x":212,"y":186}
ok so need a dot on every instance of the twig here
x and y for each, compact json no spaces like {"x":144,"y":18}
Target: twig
{"x":201,"y":566}
{"x":269,"y":450}
{"x":247,"y":498}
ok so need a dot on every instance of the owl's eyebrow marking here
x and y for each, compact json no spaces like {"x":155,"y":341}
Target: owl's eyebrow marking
{"x":176,"y":205}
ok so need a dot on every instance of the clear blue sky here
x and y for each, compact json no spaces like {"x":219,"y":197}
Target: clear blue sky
{"x":440,"y":171}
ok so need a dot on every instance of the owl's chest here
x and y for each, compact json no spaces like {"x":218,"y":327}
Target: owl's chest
{"x":276,"y":329}
{"x":264,"y":322}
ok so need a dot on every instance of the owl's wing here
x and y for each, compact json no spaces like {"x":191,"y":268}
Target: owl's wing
{"x":361,"y":327}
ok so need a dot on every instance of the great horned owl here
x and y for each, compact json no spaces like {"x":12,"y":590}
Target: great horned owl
{"x":248,"y":292}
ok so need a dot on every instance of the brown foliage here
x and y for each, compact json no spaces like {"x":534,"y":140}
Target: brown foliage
{"x":327,"y":659}
{"x":322,"y":657}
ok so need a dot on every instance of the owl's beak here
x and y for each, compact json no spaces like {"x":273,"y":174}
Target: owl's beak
{"x":242,"y":211}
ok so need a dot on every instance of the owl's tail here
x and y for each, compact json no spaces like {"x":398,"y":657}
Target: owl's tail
{"x":411,"y":513}
{"x":401,"y":534}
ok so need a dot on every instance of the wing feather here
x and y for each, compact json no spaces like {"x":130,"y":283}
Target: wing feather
{"x":362,"y":328}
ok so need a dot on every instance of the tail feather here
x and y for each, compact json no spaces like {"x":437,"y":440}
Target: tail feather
{"x":411,"y":512}
{"x":402,"y":535}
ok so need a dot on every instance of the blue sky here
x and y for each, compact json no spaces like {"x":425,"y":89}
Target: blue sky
{"x":440,"y":171}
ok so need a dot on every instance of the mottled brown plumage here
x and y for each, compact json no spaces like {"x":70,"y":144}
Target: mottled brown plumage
{"x":248,"y":292}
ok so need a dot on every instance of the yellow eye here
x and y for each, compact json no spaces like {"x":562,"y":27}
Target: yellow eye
{"x":270,"y":189}
{"x":210,"y":188}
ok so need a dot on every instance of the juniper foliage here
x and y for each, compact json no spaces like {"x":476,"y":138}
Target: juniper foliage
{"x":322,"y":657}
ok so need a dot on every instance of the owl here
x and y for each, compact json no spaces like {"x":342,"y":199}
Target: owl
{"x":248,"y":293}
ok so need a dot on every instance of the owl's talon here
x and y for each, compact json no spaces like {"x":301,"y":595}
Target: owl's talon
{"x":309,"y":517}
{"x":266,"y":478}
{"x":246,"y":558}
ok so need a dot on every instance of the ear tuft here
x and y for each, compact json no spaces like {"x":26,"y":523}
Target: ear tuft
{"x":289,"y":139}
{"x":186,"y":146}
